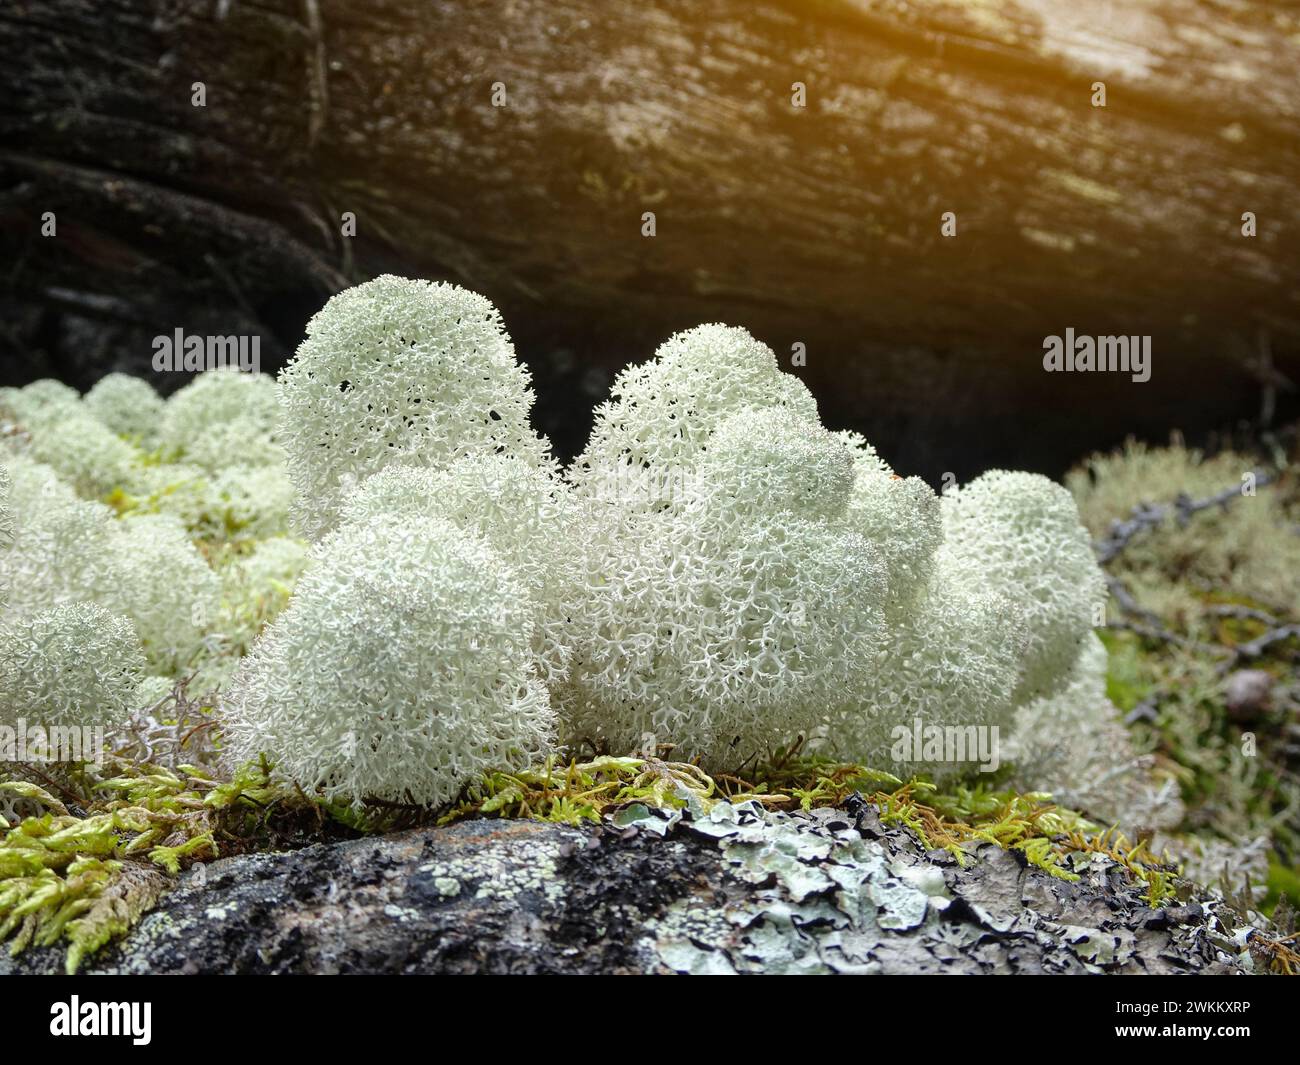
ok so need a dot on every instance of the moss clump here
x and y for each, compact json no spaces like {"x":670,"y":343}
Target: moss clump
{"x":88,"y":879}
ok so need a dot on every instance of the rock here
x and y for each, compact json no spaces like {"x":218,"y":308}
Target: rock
{"x":735,"y":890}
{"x":1246,"y":693}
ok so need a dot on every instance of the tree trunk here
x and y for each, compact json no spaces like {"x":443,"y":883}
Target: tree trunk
{"x":817,"y":225}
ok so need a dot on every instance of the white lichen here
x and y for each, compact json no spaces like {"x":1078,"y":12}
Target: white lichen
{"x":128,"y":406}
{"x":75,"y":665}
{"x":398,"y":372}
{"x":730,"y":614}
{"x":400,"y":671}
{"x":521,"y":509}
{"x":88,"y":456}
{"x":222,"y":418}
{"x":1018,"y":537}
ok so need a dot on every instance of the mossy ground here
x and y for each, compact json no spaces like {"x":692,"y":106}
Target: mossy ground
{"x":1214,"y":589}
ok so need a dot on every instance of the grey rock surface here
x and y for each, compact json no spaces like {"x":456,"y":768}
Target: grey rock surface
{"x":734,"y":890}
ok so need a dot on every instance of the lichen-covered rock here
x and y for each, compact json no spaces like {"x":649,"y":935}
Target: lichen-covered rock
{"x":731,"y":890}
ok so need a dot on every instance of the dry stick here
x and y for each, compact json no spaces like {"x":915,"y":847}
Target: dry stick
{"x":1245,"y":613}
{"x":1257,"y":646}
{"x":1147,"y":516}
{"x":1151,"y":625}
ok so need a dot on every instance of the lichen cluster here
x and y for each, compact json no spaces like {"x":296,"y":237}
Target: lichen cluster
{"x":748,"y":576}
{"x":385,"y":587}
{"x":717,"y":570}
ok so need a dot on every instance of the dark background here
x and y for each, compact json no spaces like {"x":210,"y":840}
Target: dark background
{"x":818,"y":225}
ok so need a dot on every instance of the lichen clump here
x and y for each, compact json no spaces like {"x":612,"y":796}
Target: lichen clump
{"x":717,"y":572}
{"x":750,"y":577}
{"x":723,"y":601}
{"x":75,"y":665}
{"x":398,"y":371}
{"x":389,"y":597}
{"x":399,"y":671}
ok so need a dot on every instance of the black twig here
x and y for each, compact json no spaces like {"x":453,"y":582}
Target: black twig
{"x":1147,"y":516}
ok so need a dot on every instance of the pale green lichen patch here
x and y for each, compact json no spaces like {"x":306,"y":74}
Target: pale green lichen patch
{"x":810,"y":871}
{"x":1098,"y":947}
{"x":828,"y":892}
{"x":525,"y":865}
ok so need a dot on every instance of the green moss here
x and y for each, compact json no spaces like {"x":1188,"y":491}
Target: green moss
{"x":1283,"y":883}
{"x":87,"y":879}
{"x":1127,"y":685}
{"x":586,"y":791}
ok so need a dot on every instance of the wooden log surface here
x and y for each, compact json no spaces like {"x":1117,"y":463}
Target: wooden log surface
{"x":817,"y":225}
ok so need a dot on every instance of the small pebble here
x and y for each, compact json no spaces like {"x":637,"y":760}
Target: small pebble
{"x":1246,"y":693}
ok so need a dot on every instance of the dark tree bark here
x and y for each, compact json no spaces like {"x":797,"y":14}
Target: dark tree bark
{"x":818,"y":225}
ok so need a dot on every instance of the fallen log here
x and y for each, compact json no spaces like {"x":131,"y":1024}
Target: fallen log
{"x":515,"y":146}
